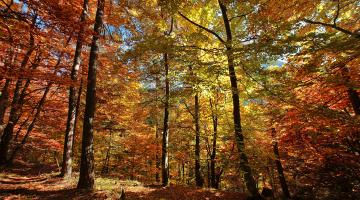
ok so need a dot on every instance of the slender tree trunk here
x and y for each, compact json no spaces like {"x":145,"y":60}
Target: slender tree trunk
{"x":157,"y":129}
{"x":32,"y":124}
{"x":86,"y":180}
{"x":213,"y":152}
{"x":198,"y":177}
{"x":279,"y":167}
{"x":158,"y":162}
{"x":244,"y":163}
{"x":4,"y":99}
{"x":15,"y":105}
{"x":182,"y":170}
{"x":165,"y":138}
{"x":66,"y":169}
{"x":105,"y":168}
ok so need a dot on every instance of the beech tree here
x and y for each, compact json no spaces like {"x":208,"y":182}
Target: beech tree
{"x":86,"y":179}
{"x":66,"y":169}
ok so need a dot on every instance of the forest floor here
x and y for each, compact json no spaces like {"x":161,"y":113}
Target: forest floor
{"x":29,"y":181}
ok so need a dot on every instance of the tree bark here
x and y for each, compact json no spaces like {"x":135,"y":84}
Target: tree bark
{"x":165,"y":138}
{"x":32,"y":124}
{"x":86,"y":179}
{"x":15,"y":105}
{"x":279,"y":167}
{"x":198,"y":177}
{"x":213,"y":182}
{"x":355,"y":100}
{"x":158,"y":162}
{"x":157,"y":129}
{"x":4,"y":99}
{"x":105,"y":168}
{"x":244,"y":163}
{"x":66,"y":168}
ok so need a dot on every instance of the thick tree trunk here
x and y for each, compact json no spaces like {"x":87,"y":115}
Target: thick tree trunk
{"x":214,"y":183}
{"x":198,"y":177}
{"x":244,"y":163}
{"x":66,"y":169}
{"x":165,"y":138}
{"x":86,"y":179}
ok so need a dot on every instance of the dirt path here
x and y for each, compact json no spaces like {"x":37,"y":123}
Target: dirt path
{"x":13,"y":187}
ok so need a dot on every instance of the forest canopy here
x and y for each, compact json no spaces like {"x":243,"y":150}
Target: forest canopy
{"x":254,"y":99}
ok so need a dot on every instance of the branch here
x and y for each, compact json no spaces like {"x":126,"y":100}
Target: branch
{"x":334,"y":26}
{"x":202,"y":27}
{"x":171,"y":27}
{"x":239,"y":16}
{"x":188,"y":109}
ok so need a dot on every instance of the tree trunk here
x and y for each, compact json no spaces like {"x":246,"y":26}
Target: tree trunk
{"x":105,"y":168}
{"x":66,"y":168}
{"x":198,"y":177}
{"x":86,"y":179}
{"x":244,"y":163}
{"x":15,"y":105}
{"x":213,"y":152}
{"x":32,"y":124}
{"x":270,"y":171}
{"x":158,"y":162}
{"x":165,"y":139}
{"x":279,"y":167}
{"x":355,"y":100}
{"x":4,"y":99}
{"x":157,"y":129}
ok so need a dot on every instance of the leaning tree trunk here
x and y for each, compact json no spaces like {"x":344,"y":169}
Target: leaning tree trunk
{"x":279,"y":167}
{"x":86,"y":179}
{"x":15,"y":105}
{"x":4,"y":98}
{"x":66,"y":168}
{"x":244,"y":163}
{"x":39,"y":108}
{"x":165,"y":138}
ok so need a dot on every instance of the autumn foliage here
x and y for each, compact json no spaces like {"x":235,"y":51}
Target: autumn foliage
{"x":255,"y":99}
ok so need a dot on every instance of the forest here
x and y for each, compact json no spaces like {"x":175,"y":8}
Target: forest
{"x":180,"y":99}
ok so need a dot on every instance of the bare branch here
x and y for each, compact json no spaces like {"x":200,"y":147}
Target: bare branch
{"x":357,"y":35}
{"x":239,"y":16}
